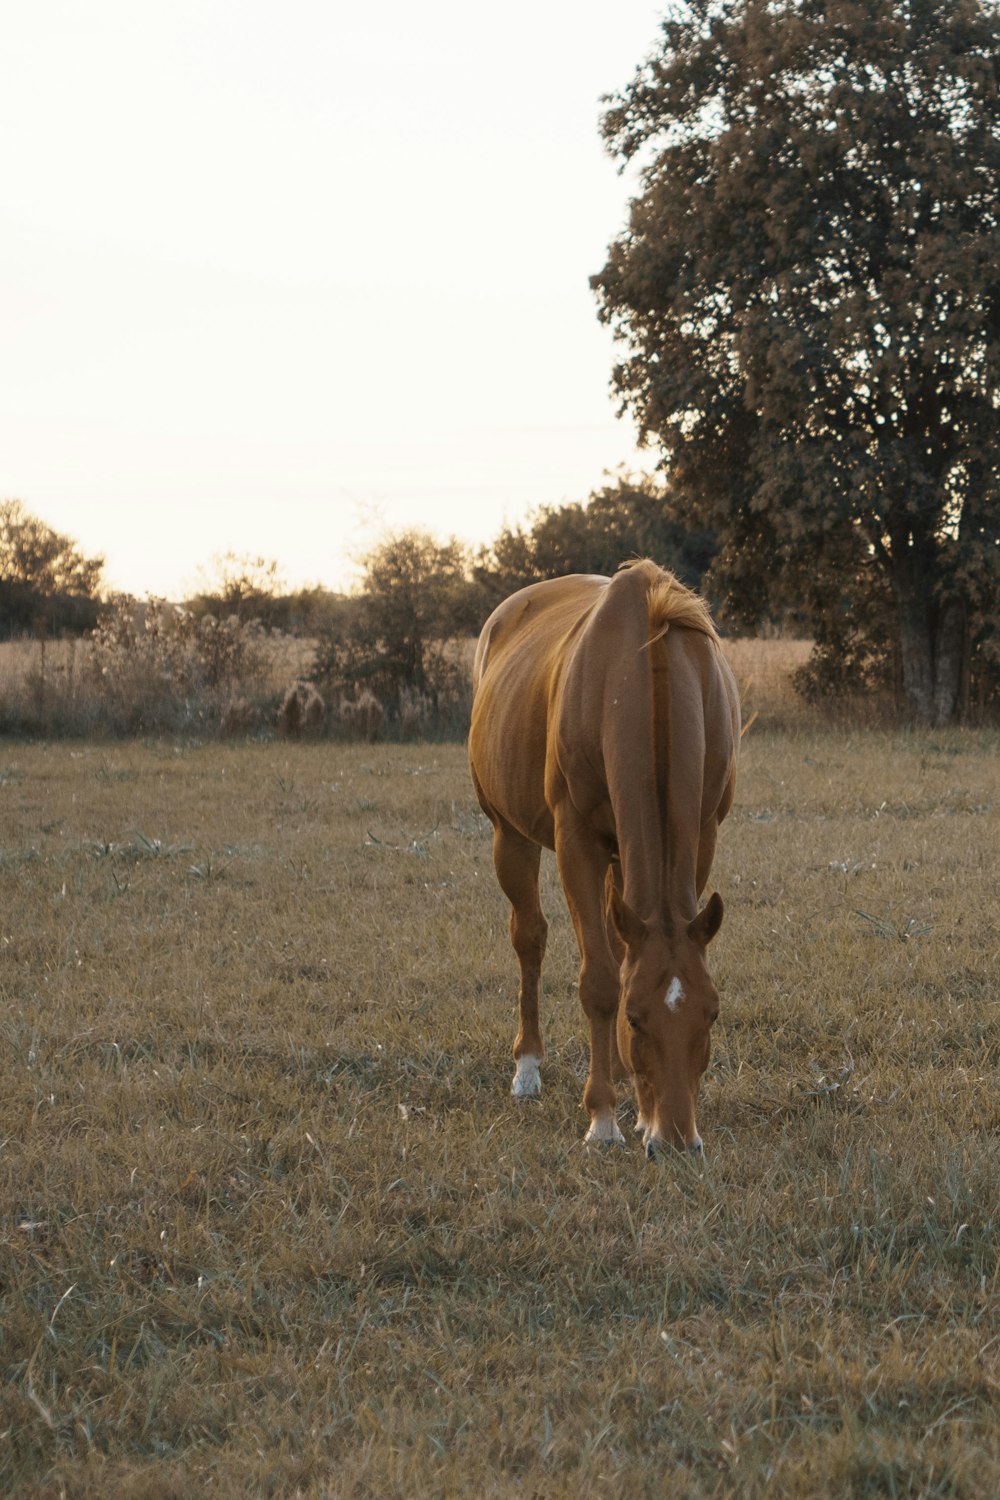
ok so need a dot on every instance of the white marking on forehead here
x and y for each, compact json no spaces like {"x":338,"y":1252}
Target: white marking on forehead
{"x":674,"y":995}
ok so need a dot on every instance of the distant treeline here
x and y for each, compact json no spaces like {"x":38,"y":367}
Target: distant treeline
{"x":400,"y":637}
{"x":397,"y":639}
{"x":48,"y":586}
{"x":629,"y":517}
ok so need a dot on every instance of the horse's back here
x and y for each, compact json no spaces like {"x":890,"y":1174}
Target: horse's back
{"x":519,"y":659}
{"x":565,"y":703}
{"x":534,"y":622}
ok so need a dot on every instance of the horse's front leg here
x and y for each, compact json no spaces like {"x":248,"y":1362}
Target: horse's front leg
{"x":619,"y":1072}
{"x":583,"y":866}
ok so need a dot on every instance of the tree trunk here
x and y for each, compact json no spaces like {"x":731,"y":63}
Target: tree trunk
{"x":917,"y":660}
{"x":949,"y":660}
{"x":933,"y":644}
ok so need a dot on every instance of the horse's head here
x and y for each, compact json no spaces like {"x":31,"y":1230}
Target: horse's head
{"x":667,"y":1006}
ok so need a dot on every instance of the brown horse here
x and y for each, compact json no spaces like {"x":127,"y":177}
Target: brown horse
{"x":605,"y":726}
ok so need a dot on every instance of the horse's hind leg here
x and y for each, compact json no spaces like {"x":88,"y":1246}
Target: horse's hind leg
{"x":517,"y":859}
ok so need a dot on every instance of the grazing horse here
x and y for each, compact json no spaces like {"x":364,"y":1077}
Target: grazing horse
{"x":605,"y":726}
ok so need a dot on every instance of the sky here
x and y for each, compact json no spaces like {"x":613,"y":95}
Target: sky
{"x":275,"y":280}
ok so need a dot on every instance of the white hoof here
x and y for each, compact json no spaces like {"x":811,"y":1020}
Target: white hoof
{"x":527,"y":1082}
{"x":604,"y":1132}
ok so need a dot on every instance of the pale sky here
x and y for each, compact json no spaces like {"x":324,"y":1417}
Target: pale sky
{"x":277,"y":278}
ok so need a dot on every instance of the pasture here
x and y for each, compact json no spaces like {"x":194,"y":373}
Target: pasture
{"x":271,"y":1224}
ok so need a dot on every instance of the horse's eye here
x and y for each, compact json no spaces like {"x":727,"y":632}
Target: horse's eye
{"x":633,"y":1022}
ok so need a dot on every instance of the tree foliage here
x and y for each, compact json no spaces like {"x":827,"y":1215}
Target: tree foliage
{"x":808,"y":295}
{"x":630,"y":516}
{"x":395,"y":637}
{"x":238,"y":584}
{"x":248,"y":588}
{"x":46,"y":583}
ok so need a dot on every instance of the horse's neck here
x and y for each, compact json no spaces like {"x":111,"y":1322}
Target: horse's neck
{"x":657,"y":792}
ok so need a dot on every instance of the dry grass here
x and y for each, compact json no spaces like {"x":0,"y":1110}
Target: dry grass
{"x":48,"y":684}
{"x":272,"y":1225}
{"x":24,"y":662}
{"x":193,"y":677}
{"x":763,"y":670}
{"x":32,"y":670}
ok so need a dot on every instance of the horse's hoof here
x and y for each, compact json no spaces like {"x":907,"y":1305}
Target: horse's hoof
{"x":604,"y":1133}
{"x":527,"y":1082}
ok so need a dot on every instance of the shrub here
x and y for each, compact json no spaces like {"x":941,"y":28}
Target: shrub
{"x":159,"y":667}
{"x":401,"y":640}
{"x":302,"y":711}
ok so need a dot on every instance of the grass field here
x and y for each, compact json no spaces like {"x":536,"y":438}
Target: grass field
{"x":271,"y":1224}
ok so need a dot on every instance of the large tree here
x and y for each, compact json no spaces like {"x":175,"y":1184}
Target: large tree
{"x":808,"y":292}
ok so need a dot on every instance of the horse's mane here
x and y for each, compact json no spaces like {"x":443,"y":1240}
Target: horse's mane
{"x":671,"y":602}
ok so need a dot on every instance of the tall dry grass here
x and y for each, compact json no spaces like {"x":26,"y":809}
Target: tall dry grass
{"x":764,"y":671}
{"x":53,"y":688}
{"x":159,"y":673}
{"x":270,"y":1223}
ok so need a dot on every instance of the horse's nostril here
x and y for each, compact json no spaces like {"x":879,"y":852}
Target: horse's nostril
{"x":696,"y":1148}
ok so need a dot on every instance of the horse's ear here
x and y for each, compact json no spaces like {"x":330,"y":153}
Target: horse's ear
{"x":708,"y":921}
{"x":630,"y":928}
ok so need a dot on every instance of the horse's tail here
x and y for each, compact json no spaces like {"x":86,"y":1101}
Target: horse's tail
{"x":670,"y":602}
